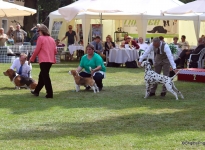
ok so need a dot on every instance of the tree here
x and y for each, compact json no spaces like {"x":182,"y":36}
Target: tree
{"x":44,"y":7}
{"x":186,"y":1}
{"x":29,"y":21}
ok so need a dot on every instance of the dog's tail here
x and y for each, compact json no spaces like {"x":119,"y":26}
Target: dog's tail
{"x":90,"y":71}
{"x":175,"y":75}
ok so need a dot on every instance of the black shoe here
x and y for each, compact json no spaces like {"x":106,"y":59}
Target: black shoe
{"x":100,"y":89}
{"x":48,"y":96}
{"x":87,"y":88}
{"x":35,"y":94}
{"x":163,"y":94}
{"x":152,"y":94}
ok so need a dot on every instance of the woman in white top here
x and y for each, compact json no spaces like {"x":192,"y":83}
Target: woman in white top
{"x":3,"y":37}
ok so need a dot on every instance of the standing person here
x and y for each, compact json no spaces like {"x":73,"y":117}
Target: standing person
{"x":93,"y":60}
{"x":71,"y":35}
{"x":35,"y":34}
{"x":163,"y":59}
{"x":10,"y":40}
{"x":3,"y":37}
{"x":18,"y":35}
{"x":46,"y":51}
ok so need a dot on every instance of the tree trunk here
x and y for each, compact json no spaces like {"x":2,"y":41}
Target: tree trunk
{"x":30,"y":21}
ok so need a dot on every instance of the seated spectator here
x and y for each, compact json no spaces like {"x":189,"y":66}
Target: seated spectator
{"x":3,"y":37}
{"x":175,"y":40}
{"x":123,"y":42}
{"x":109,"y":44}
{"x":142,"y":44}
{"x":161,"y":38}
{"x":59,"y":44}
{"x":21,"y":66}
{"x":98,"y":46}
{"x":93,"y":60}
{"x":131,"y":43}
{"x":184,"y":45}
{"x":185,"y":55}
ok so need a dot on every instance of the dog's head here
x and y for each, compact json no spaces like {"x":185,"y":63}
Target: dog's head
{"x":146,"y":64}
{"x":10,"y":73}
{"x":73,"y":72}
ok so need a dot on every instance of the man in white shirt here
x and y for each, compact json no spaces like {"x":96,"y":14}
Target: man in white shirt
{"x":142,"y":44}
{"x":21,"y":66}
{"x":163,"y":59}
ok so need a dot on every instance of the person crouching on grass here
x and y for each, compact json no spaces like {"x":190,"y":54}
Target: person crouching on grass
{"x":93,"y":60}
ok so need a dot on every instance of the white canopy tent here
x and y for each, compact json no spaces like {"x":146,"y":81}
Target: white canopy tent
{"x":11,"y":10}
{"x":147,"y":9}
{"x":195,"y":8}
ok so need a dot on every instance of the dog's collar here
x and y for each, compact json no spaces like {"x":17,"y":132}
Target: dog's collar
{"x":14,"y":79}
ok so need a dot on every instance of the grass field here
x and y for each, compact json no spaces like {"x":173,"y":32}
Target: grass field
{"x":116,"y":118}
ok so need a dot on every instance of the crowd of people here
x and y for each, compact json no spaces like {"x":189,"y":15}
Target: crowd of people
{"x":46,"y":49}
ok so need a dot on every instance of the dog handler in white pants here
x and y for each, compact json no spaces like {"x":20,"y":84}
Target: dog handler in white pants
{"x":163,"y":59}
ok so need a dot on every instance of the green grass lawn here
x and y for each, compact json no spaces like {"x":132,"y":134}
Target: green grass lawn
{"x":116,"y":118}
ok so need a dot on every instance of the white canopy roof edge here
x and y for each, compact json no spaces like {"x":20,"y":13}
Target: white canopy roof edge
{"x":192,"y":8}
{"x":141,"y":18}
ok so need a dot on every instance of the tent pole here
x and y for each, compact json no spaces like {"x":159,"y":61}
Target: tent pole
{"x":101,"y":26}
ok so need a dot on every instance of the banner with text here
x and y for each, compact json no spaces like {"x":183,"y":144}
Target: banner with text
{"x":165,"y":28}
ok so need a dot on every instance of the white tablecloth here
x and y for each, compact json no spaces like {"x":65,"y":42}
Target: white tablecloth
{"x":73,"y":48}
{"x":123,"y":55}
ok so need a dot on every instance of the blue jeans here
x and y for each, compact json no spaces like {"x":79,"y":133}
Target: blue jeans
{"x":97,"y":77}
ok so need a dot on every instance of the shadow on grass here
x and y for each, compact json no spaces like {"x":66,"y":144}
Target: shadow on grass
{"x":111,"y":97}
{"x":139,"y":124}
{"x":7,"y":88}
{"x":69,"y":64}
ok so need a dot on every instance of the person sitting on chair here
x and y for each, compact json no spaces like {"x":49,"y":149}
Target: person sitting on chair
{"x":142,"y":44}
{"x":186,"y":54}
{"x":98,"y":46}
{"x":21,"y":66}
{"x":131,"y":43}
{"x":184,"y":44}
{"x":59,"y":44}
{"x":109,"y":44}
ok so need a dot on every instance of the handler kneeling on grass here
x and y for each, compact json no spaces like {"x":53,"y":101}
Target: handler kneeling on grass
{"x":93,"y":60}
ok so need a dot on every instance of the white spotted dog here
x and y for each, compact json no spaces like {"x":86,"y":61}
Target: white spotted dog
{"x":151,"y":78}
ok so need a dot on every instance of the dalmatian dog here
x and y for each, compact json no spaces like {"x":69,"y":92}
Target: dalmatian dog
{"x":151,"y":78}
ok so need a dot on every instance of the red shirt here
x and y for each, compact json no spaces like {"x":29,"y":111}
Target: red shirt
{"x":134,"y":43}
{"x":45,"y":50}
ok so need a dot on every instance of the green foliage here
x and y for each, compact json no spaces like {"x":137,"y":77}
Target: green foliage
{"x":48,"y":5}
{"x":173,"y":48}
